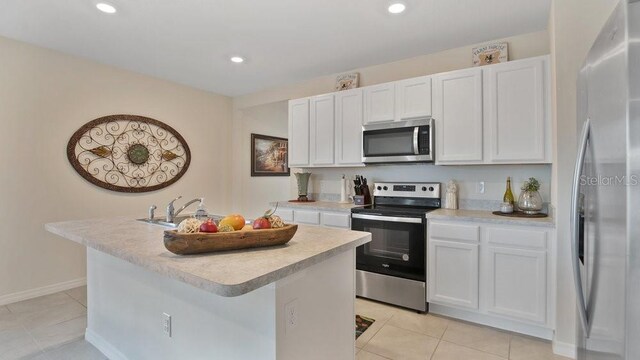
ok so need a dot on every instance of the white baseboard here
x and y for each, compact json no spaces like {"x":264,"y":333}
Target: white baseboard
{"x":41,"y":291}
{"x":564,"y":349}
{"x":538,"y":331}
{"x":104,"y":346}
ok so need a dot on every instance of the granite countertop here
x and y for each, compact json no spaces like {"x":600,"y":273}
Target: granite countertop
{"x":317,"y":205}
{"x":230,"y":273}
{"x":488,"y":217}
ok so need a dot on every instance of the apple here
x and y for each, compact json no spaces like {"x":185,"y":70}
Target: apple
{"x":261,"y":223}
{"x":209,"y":226}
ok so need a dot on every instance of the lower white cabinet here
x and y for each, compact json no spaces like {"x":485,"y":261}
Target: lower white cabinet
{"x":501,"y":272}
{"x":517,"y":285}
{"x":453,"y":273}
{"x":336,"y":219}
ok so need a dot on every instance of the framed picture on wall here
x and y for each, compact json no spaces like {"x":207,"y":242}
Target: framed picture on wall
{"x":269,"y":156}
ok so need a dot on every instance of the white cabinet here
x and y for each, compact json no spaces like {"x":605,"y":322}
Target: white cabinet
{"x":515,"y":264}
{"x":457,"y":111}
{"x":379,"y":103}
{"x":299,"y":132}
{"x":453,"y":273}
{"x":321,"y":119}
{"x":336,"y":219}
{"x":516,"y":111}
{"x":497,"y":274}
{"x":452,"y":264}
{"x":413,"y":98}
{"x":311,"y":217}
{"x":348,"y":132}
{"x":326,"y":130}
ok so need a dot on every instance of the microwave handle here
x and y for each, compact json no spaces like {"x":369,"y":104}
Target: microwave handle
{"x":416,"y":148}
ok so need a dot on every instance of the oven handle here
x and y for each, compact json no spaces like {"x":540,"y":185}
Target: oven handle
{"x":388,"y":218}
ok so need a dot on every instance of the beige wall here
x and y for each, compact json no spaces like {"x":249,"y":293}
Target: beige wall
{"x":573,"y":27}
{"x":251,"y":195}
{"x":45,"y":97}
{"x":520,"y":47}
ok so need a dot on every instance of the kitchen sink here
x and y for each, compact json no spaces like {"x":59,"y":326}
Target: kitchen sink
{"x":176,"y":221}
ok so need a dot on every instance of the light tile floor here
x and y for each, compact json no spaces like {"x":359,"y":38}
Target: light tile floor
{"x":402,"y":334}
{"x":47,"y":328}
{"x":52,"y":328}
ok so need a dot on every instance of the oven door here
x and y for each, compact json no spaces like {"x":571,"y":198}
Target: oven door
{"x":397,"y":246}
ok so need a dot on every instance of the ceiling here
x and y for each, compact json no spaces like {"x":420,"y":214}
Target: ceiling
{"x":283,"y":41}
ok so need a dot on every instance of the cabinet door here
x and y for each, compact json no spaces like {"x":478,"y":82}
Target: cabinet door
{"x":413,"y":98}
{"x":517,"y":285}
{"x":379,"y":103}
{"x":322,"y":130}
{"x":516,"y":111}
{"x":349,"y":127}
{"x":453,"y":273}
{"x":457,"y":111}
{"x":299,"y":132}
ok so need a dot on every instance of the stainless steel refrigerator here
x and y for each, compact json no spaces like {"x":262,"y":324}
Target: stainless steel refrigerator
{"x":606,"y":194}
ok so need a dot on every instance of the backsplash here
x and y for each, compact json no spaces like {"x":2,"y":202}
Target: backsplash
{"x":325,"y":182}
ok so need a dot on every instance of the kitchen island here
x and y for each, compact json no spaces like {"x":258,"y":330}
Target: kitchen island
{"x":287,"y":302}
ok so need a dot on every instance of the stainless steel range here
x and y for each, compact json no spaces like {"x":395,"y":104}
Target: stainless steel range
{"x":392,"y":267}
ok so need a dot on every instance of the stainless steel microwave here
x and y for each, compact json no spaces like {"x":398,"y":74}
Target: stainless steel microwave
{"x":398,"y":142}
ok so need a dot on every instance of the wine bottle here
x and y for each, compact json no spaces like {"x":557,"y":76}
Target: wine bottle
{"x":508,"y":195}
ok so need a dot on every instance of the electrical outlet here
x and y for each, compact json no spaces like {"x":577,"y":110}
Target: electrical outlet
{"x":166,"y":324}
{"x":480,"y":187}
{"x":291,"y":315}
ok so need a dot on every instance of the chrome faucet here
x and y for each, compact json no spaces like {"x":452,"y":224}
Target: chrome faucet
{"x":152,"y":210}
{"x":172,"y":213}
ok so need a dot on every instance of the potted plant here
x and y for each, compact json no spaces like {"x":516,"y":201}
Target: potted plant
{"x":530,"y":201}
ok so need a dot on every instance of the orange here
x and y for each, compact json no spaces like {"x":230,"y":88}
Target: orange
{"x":235,"y":220}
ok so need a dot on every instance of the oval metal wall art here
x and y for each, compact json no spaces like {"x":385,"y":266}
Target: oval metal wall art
{"x":129,"y":153}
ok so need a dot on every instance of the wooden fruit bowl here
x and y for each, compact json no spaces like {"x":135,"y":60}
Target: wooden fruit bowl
{"x":197,"y":243}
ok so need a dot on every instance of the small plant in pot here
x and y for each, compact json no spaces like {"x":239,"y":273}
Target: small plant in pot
{"x":530,"y":201}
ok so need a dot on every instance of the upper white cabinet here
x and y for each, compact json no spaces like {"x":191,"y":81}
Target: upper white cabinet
{"x":349,"y":114}
{"x":457,"y":112}
{"x":413,"y":98}
{"x":299,"y":132}
{"x":379,"y":103}
{"x":326,"y":130}
{"x":397,"y":101}
{"x":516,"y":111}
{"x":494,"y":114}
{"x":321,"y":119}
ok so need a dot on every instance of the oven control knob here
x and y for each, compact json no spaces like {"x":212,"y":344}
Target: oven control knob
{"x":430,"y":188}
{"x":405,"y":257}
{"x":424,"y":188}
{"x":385,"y":188}
{"x":379,"y":187}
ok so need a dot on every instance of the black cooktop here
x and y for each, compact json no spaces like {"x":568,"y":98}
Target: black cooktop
{"x":393,"y":210}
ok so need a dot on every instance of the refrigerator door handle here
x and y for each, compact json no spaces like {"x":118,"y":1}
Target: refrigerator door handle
{"x":575,"y":227}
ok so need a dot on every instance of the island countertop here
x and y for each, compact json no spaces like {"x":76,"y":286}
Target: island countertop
{"x":230,"y":273}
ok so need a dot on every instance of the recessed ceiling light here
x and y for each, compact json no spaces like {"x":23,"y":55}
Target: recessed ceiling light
{"x":106,"y":8}
{"x":237,"y":59}
{"x":397,"y":8}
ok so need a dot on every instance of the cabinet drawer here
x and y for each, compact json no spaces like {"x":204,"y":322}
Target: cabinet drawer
{"x":285,"y":214}
{"x":306,"y":217}
{"x":470,"y":233}
{"x":520,"y":238}
{"x":341,"y":220}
